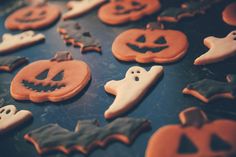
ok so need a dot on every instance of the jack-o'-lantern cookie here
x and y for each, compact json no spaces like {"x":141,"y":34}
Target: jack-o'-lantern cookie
{"x":121,"y":11}
{"x":32,"y":17}
{"x":229,"y":14}
{"x":195,"y":137}
{"x":150,"y":45}
{"x":53,"y":80}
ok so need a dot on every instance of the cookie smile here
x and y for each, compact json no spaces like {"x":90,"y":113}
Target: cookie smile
{"x":131,"y":10}
{"x":146,"y":49}
{"x":29,"y":20}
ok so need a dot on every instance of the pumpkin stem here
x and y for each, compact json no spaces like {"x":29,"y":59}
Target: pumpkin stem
{"x":193,"y":117}
{"x":62,"y":56}
{"x":155,"y":25}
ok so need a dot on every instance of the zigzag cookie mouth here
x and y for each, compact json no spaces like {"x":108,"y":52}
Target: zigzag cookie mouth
{"x":146,"y":49}
{"x":29,"y":20}
{"x":40,"y":87}
{"x":131,"y":10}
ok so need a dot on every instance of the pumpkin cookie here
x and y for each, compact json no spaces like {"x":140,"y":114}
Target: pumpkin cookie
{"x":229,"y":14}
{"x":118,"y":12}
{"x":150,"y":45}
{"x":131,"y":89}
{"x":11,"y":63}
{"x":32,"y":17}
{"x":10,"y":118}
{"x":87,"y":135}
{"x":196,"y":136}
{"x":51,"y":80}
{"x":220,"y":49}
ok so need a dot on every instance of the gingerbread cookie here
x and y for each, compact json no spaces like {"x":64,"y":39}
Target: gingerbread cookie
{"x":131,"y":89}
{"x":77,"y":8}
{"x":87,"y":135}
{"x":14,"y":42}
{"x":207,"y":90}
{"x":51,"y":80}
{"x":229,"y":14}
{"x":10,"y":118}
{"x":11,"y":63}
{"x":33,"y":17}
{"x":118,"y":12}
{"x":74,"y":34}
{"x":219,"y":49}
{"x":150,"y":45}
{"x":196,"y":136}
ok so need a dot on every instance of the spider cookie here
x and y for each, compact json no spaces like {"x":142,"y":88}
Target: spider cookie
{"x":131,"y":89}
{"x":14,"y":42}
{"x":32,"y":17}
{"x":118,"y":12}
{"x":10,"y":118}
{"x":9,"y":64}
{"x":87,"y":135}
{"x":195,"y":137}
{"x":219,"y":49}
{"x":51,"y":80}
{"x":77,"y":8}
{"x":229,"y":14}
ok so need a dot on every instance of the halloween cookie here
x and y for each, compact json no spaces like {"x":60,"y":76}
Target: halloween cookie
{"x":196,"y":136}
{"x":51,"y":80}
{"x":150,"y":45}
{"x":219,"y":49}
{"x":11,"y":63}
{"x":207,"y":90}
{"x":229,"y":14}
{"x":32,"y":17}
{"x":131,"y":89}
{"x":72,"y":33}
{"x":87,"y":135}
{"x":14,"y":42}
{"x":118,"y":12}
{"x":78,"y":8}
{"x":10,"y":118}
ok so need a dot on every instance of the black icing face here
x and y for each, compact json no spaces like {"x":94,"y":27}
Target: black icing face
{"x":123,"y":7}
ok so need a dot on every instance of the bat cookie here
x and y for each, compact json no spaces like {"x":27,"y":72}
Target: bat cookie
{"x":219,"y":49}
{"x":118,"y":12}
{"x":131,"y":89}
{"x":196,"y":136}
{"x":53,"y":80}
{"x":72,"y":33}
{"x":229,"y":14}
{"x":87,"y":135}
{"x":14,"y":42}
{"x":32,"y":17}
{"x":10,"y":118}
{"x":11,"y":63}
{"x":207,"y":90}
{"x":78,"y":8}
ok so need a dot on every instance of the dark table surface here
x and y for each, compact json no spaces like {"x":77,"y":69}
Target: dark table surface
{"x":161,"y":104}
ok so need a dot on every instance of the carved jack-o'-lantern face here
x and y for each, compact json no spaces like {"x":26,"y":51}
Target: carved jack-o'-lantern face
{"x":32,"y":17}
{"x":150,"y":45}
{"x":121,"y":11}
{"x":50,"y":80}
{"x":195,"y":138}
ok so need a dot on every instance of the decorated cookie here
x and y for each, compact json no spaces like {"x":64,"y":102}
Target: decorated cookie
{"x":11,"y":63}
{"x":32,"y":17}
{"x":187,"y":9}
{"x":87,"y":135}
{"x":195,"y":137}
{"x":118,"y":12}
{"x":219,"y":49}
{"x":14,"y":42}
{"x":131,"y":89}
{"x":150,"y":45}
{"x":78,"y":8}
{"x":10,"y":118}
{"x":229,"y":14}
{"x":53,"y":80}
{"x":72,"y":33}
{"x":207,"y":90}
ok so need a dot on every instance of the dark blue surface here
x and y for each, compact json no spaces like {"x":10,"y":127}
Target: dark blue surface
{"x":161,"y":104}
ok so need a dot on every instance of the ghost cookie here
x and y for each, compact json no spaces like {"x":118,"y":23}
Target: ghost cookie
{"x":229,"y":14}
{"x":10,"y":118}
{"x":131,"y":89}
{"x":32,"y":17}
{"x":9,"y":64}
{"x":52,"y":80}
{"x":118,"y":12}
{"x":78,"y":8}
{"x":14,"y":42}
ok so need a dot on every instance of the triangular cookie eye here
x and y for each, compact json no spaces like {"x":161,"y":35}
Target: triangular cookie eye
{"x":135,"y":3}
{"x":186,"y":146}
{"x":218,"y":144}
{"x":141,"y":39}
{"x":43,"y":75}
{"x":160,"y":40}
{"x":59,"y":76}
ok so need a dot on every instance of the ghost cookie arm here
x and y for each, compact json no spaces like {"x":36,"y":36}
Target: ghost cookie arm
{"x":112,"y":86}
{"x":155,"y":72}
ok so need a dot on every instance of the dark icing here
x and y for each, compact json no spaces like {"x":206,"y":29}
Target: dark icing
{"x":87,"y":132}
{"x":12,"y":62}
{"x":62,"y":56}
